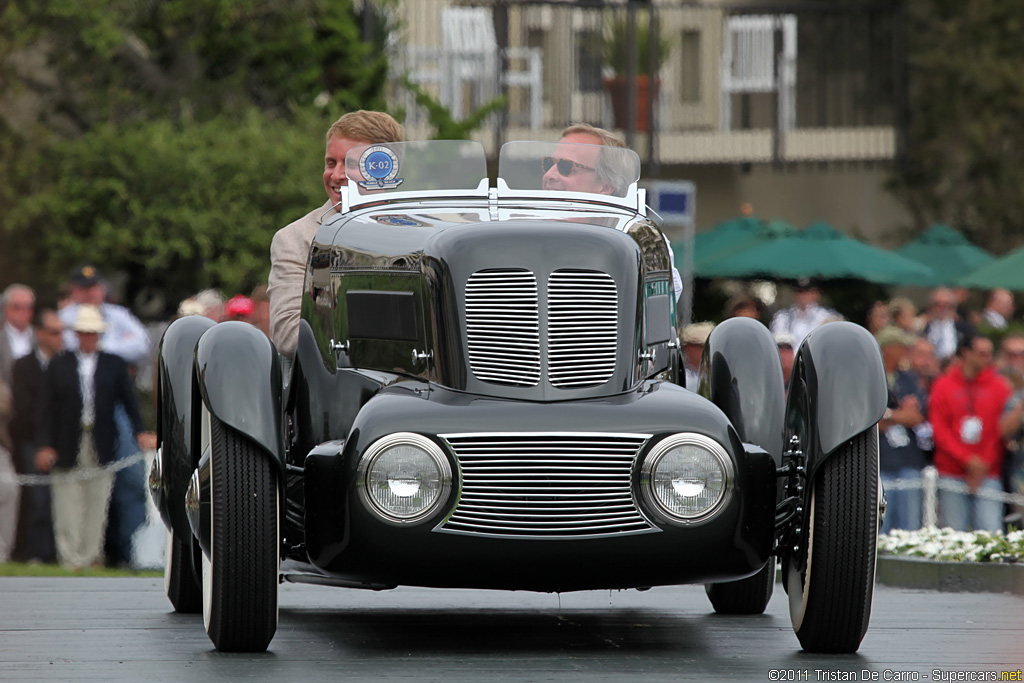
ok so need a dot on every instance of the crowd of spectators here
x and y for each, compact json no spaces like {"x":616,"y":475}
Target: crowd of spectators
{"x":72,"y":479}
{"x":956,"y":383}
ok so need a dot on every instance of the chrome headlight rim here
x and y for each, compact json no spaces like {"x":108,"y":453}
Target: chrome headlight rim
{"x":655,"y":456}
{"x":377,"y":449}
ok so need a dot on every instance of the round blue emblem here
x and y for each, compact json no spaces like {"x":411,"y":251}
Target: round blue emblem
{"x":379,"y":165}
{"x":379,"y":168}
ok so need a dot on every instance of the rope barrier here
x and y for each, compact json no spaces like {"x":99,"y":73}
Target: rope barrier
{"x":83,"y":474}
{"x":930,"y":483}
{"x":930,"y":475}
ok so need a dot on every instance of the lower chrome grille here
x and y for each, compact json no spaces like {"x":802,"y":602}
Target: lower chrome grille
{"x":546,"y":484}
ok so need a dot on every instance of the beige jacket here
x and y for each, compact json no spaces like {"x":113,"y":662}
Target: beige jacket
{"x":289,"y":252}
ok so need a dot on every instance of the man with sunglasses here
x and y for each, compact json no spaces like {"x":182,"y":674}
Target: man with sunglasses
{"x":290,"y":246}
{"x":587,"y":159}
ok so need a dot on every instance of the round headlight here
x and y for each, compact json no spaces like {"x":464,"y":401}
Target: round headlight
{"x":404,"y":477}
{"x":687,"y":477}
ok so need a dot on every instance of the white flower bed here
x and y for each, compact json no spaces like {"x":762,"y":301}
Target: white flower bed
{"x":954,"y":546}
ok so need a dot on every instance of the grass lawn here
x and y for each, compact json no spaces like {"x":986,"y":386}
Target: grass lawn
{"x":22,"y":569}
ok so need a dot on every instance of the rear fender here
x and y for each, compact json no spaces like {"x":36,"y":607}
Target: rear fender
{"x":838,"y":389}
{"x":174,"y":420}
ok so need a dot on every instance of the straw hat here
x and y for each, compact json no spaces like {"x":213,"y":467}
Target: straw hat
{"x":785,"y":339}
{"x":190,"y":306}
{"x":893,"y":335}
{"x":697,"y":333}
{"x":89,"y":319}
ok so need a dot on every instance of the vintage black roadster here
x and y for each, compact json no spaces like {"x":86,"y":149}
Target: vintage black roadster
{"x":487,"y":393}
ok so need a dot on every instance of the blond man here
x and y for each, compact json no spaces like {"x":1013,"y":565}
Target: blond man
{"x":290,"y":246}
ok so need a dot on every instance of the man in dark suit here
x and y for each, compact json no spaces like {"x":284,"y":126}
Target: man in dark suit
{"x":78,"y":437}
{"x":35,"y":522}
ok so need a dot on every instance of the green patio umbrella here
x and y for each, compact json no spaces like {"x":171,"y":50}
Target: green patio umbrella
{"x":1006,"y":271}
{"x":766,"y":232}
{"x":947,"y":252}
{"x":731,"y":237}
{"x":819,"y":251}
{"x":725,"y":237}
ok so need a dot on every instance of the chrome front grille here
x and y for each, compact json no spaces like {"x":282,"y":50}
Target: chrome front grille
{"x":583,"y":311}
{"x":502,"y":327}
{"x":546,"y":484}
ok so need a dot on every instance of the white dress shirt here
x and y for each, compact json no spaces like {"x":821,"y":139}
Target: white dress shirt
{"x":87,"y":383}
{"x":942,"y":335}
{"x":20,"y":341}
{"x":800,"y":323}
{"x":994,"y":319}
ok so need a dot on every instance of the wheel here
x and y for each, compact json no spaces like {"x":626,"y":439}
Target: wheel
{"x":746,"y":596}
{"x":830,"y":597}
{"x":180,"y":584}
{"x":240,"y":577}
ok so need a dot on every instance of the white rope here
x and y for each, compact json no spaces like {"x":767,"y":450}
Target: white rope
{"x":82,"y":474}
{"x":930,"y":474}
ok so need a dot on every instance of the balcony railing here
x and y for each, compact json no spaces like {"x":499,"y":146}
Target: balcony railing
{"x":758,"y":82}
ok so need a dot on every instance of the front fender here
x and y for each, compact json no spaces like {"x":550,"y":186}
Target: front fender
{"x":838,"y":389}
{"x":174,"y":419}
{"x":239,"y":377}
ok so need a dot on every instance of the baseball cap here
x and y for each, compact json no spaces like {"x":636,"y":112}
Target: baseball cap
{"x":239,"y":306}
{"x":86,"y":276}
{"x":805,"y":283}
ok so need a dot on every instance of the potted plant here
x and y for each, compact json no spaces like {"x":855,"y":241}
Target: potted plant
{"x":617,"y":47}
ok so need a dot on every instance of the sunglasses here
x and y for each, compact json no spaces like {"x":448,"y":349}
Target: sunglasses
{"x":565,"y":166}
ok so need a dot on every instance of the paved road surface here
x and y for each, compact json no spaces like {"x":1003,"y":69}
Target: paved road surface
{"x":123,"y":630}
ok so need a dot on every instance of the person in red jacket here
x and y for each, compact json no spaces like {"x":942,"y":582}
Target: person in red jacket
{"x":965,"y":408}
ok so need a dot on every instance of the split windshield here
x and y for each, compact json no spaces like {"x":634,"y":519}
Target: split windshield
{"x":458,"y":168}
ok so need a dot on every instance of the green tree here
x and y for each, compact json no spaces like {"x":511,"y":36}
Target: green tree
{"x":178,"y":208}
{"x":169,"y":139}
{"x":966,"y":101}
{"x":447,"y":127}
{"x":92,"y":61}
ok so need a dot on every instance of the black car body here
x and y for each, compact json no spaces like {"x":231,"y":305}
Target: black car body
{"x":487,"y":394}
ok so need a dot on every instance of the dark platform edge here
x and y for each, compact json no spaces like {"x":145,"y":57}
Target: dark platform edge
{"x":950,"y":577}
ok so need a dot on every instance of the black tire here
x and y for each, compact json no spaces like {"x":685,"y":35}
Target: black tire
{"x":240,"y":578}
{"x":830,"y":599}
{"x":746,"y":596}
{"x":180,"y":583}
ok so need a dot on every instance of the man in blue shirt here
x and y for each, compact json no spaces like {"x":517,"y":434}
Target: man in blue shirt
{"x":901,"y":457}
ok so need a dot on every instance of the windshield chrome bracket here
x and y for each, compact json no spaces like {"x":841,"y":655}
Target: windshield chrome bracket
{"x":492,"y":203}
